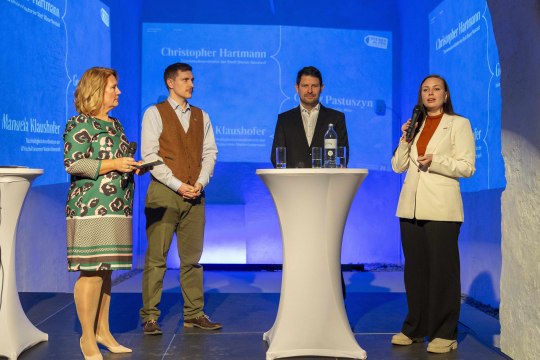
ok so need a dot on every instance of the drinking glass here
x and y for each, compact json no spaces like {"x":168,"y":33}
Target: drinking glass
{"x":316,"y":157}
{"x":341,"y":157}
{"x":281,"y":157}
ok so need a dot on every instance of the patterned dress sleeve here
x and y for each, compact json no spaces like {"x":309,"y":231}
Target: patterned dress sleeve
{"x":78,"y":149}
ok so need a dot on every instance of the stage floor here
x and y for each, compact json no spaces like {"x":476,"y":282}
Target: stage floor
{"x":246,"y":303}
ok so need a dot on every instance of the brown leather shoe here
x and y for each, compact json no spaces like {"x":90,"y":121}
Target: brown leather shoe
{"x":151,"y":327}
{"x":202,"y":322}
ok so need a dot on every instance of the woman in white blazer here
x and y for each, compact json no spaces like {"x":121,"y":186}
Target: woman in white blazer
{"x":430,"y":210}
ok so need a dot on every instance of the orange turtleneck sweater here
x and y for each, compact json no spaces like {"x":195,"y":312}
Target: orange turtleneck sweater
{"x":429,"y":128}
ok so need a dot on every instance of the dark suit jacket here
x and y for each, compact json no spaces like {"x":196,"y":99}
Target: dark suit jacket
{"x":291,"y":134}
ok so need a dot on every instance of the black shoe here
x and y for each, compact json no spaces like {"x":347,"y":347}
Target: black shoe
{"x":202,"y":322}
{"x":151,"y":327}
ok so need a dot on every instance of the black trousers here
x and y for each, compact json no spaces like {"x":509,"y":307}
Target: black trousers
{"x":432,"y":279}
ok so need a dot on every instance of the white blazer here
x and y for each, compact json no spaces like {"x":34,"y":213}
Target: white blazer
{"x":434,"y":194}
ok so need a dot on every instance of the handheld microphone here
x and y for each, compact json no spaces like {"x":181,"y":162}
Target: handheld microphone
{"x":415,"y":119}
{"x":132,"y":148}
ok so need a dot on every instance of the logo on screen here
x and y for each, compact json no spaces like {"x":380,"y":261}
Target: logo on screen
{"x":376,"y":41}
{"x":105,"y":17}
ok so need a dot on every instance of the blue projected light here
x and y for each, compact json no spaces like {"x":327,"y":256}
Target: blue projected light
{"x":46,"y":46}
{"x":463,"y":50}
{"x":245,"y":76}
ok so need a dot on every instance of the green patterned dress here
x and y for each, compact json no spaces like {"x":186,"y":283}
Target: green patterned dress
{"x":98,"y":210}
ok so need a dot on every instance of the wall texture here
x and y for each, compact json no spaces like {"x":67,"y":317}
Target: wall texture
{"x":516,"y":29}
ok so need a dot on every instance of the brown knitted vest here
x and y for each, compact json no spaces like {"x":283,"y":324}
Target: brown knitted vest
{"x":181,"y":151}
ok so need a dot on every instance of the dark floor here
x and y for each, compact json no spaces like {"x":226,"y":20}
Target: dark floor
{"x":374,"y":317}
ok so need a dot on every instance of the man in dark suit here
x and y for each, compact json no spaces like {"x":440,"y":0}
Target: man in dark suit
{"x":303,"y":127}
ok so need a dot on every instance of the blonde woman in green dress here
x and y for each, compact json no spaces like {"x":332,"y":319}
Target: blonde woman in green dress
{"x":99,"y":205}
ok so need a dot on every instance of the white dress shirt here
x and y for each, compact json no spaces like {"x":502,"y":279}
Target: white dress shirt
{"x":152,"y":127}
{"x":309,"y":119}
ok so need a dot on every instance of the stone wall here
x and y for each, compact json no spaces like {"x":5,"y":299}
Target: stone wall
{"x":516,"y":30}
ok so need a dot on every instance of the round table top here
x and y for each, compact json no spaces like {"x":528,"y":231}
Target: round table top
{"x":302,"y":171}
{"x":10,"y":174}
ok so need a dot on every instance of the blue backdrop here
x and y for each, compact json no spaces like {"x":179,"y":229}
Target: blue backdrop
{"x":463,"y":49}
{"x":245,"y":76}
{"x":40,"y":66}
{"x":358,"y":45}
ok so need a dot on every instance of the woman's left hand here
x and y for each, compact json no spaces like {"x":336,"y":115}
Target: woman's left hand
{"x":425,"y":161}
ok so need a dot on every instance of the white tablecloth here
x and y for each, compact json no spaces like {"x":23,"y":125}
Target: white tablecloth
{"x":312,"y":206}
{"x":17,"y":333}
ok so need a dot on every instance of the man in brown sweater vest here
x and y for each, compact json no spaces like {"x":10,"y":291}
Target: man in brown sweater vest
{"x":181,"y":136}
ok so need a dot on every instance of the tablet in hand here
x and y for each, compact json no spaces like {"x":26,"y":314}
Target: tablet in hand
{"x":150,"y":164}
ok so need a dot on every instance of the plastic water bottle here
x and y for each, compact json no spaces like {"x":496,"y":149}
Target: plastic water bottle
{"x":330,"y":147}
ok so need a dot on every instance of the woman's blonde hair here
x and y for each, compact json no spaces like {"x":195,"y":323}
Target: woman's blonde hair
{"x":90,"y":90}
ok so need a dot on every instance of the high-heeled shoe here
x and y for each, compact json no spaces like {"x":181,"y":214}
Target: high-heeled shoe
{"x":92,"y":357}
{"x":119,"y":349}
